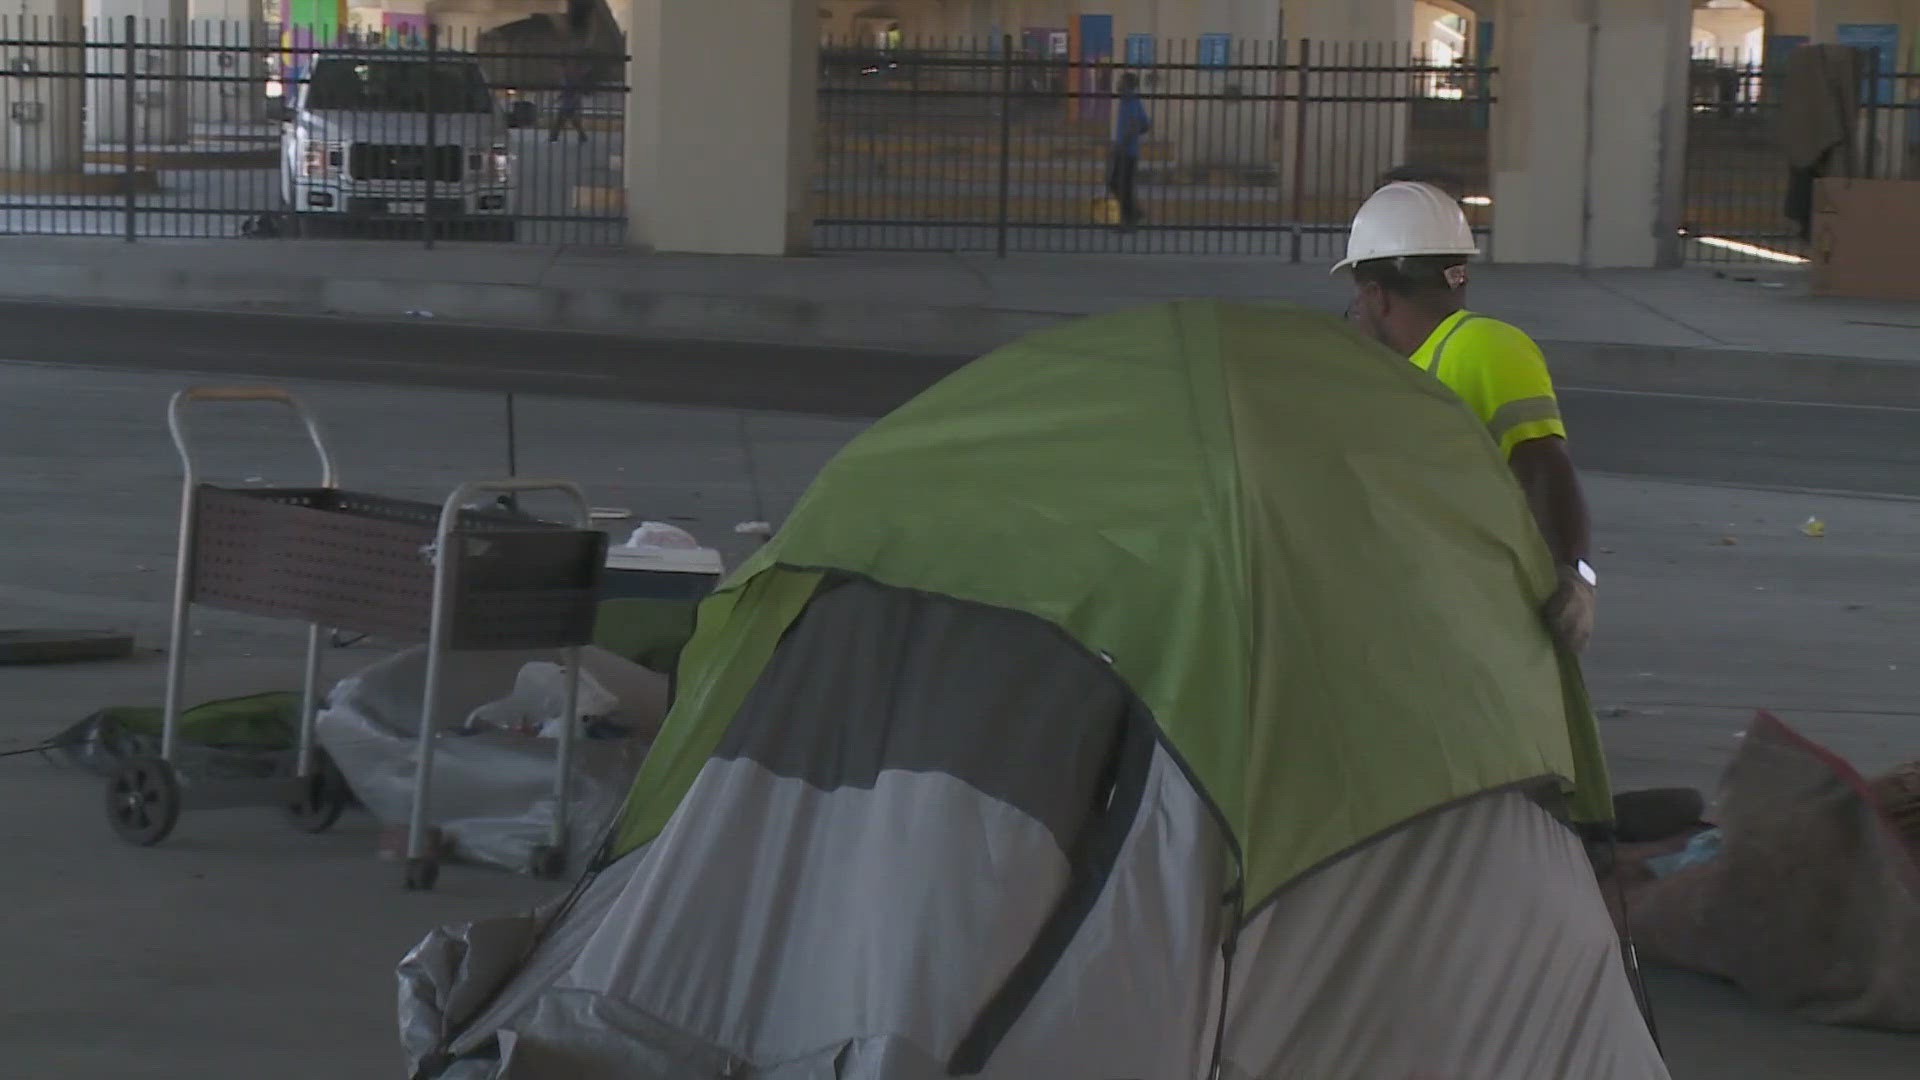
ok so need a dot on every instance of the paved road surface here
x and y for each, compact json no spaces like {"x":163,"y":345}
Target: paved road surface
{"x":187,"y":945}
{"x":1677,"y":437}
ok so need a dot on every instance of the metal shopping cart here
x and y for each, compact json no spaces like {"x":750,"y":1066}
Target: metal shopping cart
{"x":458,"y":578}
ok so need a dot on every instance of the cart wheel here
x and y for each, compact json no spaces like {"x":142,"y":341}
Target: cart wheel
{"x":421,"y":874}
{"x":323,"y":796}
{"x":143,"y":801}
{"x":548,"y":862}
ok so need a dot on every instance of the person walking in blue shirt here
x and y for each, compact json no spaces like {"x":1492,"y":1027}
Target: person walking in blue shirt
{"x":574,"y":79}
{"x":1124,"y":167}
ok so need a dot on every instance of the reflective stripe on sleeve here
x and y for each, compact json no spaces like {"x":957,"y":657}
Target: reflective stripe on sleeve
{"x":1522,"y":411}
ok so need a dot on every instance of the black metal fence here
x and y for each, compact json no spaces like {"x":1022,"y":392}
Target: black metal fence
{"x":140,"y":128}
{"x":1738,"y":176}
{"x":1254,"y":147}
{"x":136,"y":128}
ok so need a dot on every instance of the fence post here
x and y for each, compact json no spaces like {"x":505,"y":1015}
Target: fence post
{"x":1006,"y":142}
{"x":432,"y":163}
{"x":1300,"y":149}
{"x":1871,"y":58}
{"x":129,"y":51}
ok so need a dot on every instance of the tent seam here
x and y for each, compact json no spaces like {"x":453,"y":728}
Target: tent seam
{"x":1528,"y":784}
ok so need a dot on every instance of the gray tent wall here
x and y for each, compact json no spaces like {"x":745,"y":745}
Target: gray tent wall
{"x":902,"y":815}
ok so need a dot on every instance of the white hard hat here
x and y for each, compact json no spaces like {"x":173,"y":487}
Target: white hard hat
{"x":1407,"y":218}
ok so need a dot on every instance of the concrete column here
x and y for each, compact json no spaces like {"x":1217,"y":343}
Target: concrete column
{"x":228,"y":65}
{"x":1348,"y":146}
{"x":160,"y":104}
{"x":1590,"y":132}
{"x":720,"y":124}
{"x":40,"y":100}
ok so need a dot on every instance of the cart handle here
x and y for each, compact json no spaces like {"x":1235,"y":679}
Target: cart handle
{"x":443,"y":571}
{"x":183,"y":555}
{"x":462,"y":495}
{"x":177,"y":423}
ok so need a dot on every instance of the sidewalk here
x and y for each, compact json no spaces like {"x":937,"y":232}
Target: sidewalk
{"x":241,"y":949}
{"x":1744,"y":332}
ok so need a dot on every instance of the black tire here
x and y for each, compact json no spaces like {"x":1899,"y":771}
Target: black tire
{"x":143,"y":801}
{"x":422,"y":874}
{"x":1642,"y":817}
{"x":323,"y":796}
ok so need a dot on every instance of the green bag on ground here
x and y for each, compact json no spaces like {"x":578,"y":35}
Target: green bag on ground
{"x":245,"y":736}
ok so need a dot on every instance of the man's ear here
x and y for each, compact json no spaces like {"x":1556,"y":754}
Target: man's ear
{"x":1378,"y":298}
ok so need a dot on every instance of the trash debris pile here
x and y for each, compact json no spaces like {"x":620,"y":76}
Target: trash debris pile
{"x":1805,"y":891}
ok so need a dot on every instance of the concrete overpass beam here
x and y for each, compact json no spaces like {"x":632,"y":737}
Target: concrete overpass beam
{"x":720,"y":123}
{"x":1590,"y":132}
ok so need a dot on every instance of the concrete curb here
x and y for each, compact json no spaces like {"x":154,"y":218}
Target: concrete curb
{"x":928,"y":329}
{"x":1736,"y":373}
{"x":923,"y":329}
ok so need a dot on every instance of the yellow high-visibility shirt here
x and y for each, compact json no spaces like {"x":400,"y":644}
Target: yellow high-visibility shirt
{"x":1499,"y":372}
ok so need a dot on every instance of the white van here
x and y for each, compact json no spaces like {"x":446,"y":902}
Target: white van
{"x":359,"y":143}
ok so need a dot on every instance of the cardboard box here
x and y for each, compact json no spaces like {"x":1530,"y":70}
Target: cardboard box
{"x":1865,"y":236}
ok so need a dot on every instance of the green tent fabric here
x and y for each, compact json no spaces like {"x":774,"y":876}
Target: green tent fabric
{"x":1302,"y":554}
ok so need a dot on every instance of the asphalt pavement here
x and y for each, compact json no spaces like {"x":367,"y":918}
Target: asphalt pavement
{"x":1865,"y":449}
{"x":238,"y":949}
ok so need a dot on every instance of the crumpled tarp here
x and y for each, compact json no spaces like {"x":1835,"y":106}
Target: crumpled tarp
{"x":1813,"y":903}
{"x":492,"y":794}
{"x":454,"y":975}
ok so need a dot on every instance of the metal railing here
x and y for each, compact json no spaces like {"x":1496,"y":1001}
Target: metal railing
{"x":1254,"y":147}
{"x":1738,"y":177}
{"x":146,"y":128}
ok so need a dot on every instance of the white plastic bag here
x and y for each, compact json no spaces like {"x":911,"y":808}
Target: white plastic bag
{"x":660,"y":536}
{"x":538,"y":701}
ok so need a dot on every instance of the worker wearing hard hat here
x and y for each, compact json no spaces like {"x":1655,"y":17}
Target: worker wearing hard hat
{"x":1408,"y":254}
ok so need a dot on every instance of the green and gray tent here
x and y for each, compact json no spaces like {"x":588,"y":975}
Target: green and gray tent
{"x":1160,"y":691}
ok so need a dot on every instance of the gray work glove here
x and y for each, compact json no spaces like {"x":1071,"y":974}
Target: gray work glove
{"x":1569,"y":611}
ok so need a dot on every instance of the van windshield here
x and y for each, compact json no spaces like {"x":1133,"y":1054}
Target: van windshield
{"x":368,"y":85}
